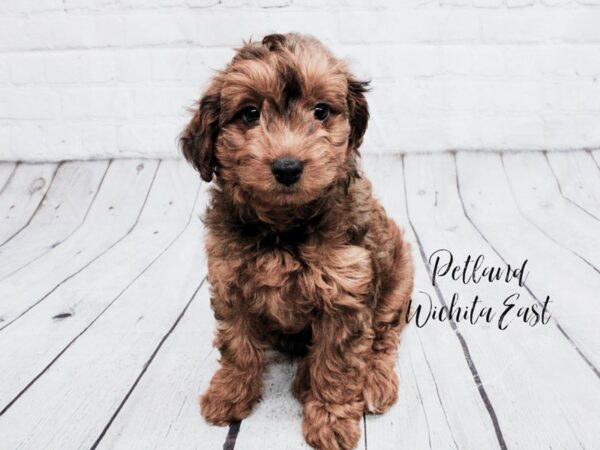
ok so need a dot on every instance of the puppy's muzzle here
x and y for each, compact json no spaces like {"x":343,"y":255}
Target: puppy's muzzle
{"x":287,"y":170}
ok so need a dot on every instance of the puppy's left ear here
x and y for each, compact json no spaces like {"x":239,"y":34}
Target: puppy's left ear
{"x":199,"y":137}
{"x":358,"y":111}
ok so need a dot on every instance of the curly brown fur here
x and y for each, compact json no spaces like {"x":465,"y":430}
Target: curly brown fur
{"x":316,"y":268}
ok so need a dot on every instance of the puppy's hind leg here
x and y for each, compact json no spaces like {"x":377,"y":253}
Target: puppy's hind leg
{"x":381,"y":384}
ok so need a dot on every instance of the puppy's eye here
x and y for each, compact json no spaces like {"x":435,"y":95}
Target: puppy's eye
{"x":321,"y":112}
{"x":250,"y":114}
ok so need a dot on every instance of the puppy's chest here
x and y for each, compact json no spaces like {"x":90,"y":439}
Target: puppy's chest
{"x":286,"y":287}
{"x":278,"y":286}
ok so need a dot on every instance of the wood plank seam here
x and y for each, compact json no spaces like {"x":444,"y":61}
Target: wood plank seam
{"x":594,"y":159}
{"x":465,"y":348}
{"x":37,"y":208}
{"x":525,"y":285}
{"x":38,"y":376}
{"x":10,"y":177}
{"x":232,"y":435}
{"x":437,"y":391}
{"x":562,"y":193}
{"x":57,"y":244}
{"x":420,"y":397}
{"x":526,"y":217}
{"x":146,"y":365}
{"x":365,"y":433}
{"x":33,"y":305}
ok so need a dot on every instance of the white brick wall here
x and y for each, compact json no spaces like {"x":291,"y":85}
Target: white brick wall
{"x":84,"y":78}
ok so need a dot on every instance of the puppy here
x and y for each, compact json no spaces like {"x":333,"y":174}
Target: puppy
{"x":301,"y":257}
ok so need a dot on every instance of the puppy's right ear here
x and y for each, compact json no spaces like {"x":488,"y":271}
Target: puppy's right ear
{"x":198,"y":139}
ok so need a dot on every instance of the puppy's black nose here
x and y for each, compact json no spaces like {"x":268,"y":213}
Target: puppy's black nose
{"x":287,"y":170}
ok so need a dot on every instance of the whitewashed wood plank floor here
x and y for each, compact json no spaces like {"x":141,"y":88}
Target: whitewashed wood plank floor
{"x":105,"y":324}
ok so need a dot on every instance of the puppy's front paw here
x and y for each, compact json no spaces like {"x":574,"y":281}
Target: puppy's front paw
{"x":223,"y":403}
{"x":381,"y":387}
{"x":329,"y":426}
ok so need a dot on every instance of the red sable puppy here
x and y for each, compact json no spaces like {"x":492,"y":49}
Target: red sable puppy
{"x":301,"y":257}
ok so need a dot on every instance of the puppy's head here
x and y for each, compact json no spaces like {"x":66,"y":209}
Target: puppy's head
{"x":278,"y":125}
